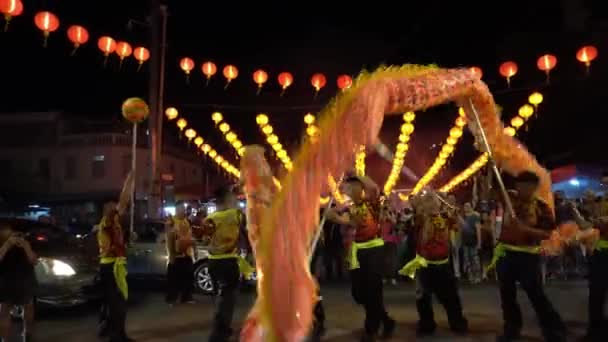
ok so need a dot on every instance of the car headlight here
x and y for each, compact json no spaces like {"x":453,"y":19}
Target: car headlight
{"x":57,"y":268}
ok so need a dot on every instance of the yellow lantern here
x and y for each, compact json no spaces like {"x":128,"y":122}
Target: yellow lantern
{"x":182,"y":123}
{"x":311,"y":131}
{"x":212,"y":153}
{"x":237,"y":144}
{"x":273,"y":139}
{"x":282,"y":154}
{"x":456,"y":132}
{"x":219,"y":159}
{"x":190,"y":134}
{"x":461,"y":121}
{"x":261,"y":119}
{"x":447,"y":148}
{"x":225,"y":164}
{"x":510,"y":131}
{"x":277,"y":147}
{"x":451,"y":140}
{"x":206,"y":148}
{"x":198,"y":141}
{"x":461,"y":111}
{"x":517,"y":122}
{"x":401,"y":147}
{"x":171,"y":113}
{"x":409,"y":116}
{"x":217,"y":117}
{"x":407,"y":128}
{"x":230,"y":137}
{"x":404,"y":138}
{"x":535,"y":99}
{"x":309,"y":119}
{"x":526,"y":111}
{"x":267,"y":129}
{"x":224,"y":127}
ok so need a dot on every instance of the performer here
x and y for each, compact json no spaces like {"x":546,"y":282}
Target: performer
{"x":367,"y":254}
{"x":180,"y":249}
{"x":517,"y":260}
{"x":113,"y":266}
{"x":431,"y":266}
{"x":225,"y":226}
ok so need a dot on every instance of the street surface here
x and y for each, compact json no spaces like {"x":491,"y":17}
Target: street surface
{"x":150,"y":320}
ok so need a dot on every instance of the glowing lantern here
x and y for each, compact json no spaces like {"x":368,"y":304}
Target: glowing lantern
{"x":135,"y":110}
{"x":123,"y":50}
{"x":47,"y":22}
{"x":209,"y":69}
{"x":456,"y":132}
{"x":198,"y":141}
{"x":460,"y":121}
{"x":267,"y":129}
{"x":407,"y":128}
{"x":171,"y":113}
{"x":285,"y":80}
{"x":344,"y":82}
{"x":508,"y":70}
{"x":260,"y":77}
{"x":230,"y":72}
{"x":526,"y":111}
{"x":190,"y":134}
{"x":586,"y":55}
{"x":212,"y":153}
{"x":535,"y":99}
{"x":510,"y":131}
{"x":318,"y":81}
{"x":78,"y":35}
{"x":10,"y":9}
{"x":451,"y":140}
{"x":186,"y":64}
{"x":230,"y":137}
{"x":224,"y":127}
{"x":476,"y":71}
{"x":409,"y":116}
{"x":107,"y":45}
{"x":312,"y":131}
{"x":142,"y":55}
{"x":217,"y":117}
{"x":309,"y":119}
{"x":261,"y":119}
{"x":517,"y":121}
{"x":546,"y":63}
{"x":182,"y":123}
{"x":206,"y":148}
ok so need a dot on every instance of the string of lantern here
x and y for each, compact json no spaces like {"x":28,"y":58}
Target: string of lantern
{"x":447,"y":150}
{"x":172,"y":113}
{"x":524,"y":113}
{"x":229,"y":135}
{"x":273,"y":140}
{"x":407,"y":128}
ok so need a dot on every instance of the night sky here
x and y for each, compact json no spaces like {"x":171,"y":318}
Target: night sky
{"x":332,"y":37}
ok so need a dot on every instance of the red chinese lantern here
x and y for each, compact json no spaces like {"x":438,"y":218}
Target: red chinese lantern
{"x":10,"y":9}
{"x":135,"y":110}
{"x":344,"y":82}
{"x":507,"y":70}
{"x":546,"y":63}
{"x":230,"y":72}
{"x":318,"y":81}
{"x":186,"y":64}
{"x":285,"y":80}
{"x":78,"y":35}
{"x":209,"y":69}
{"x":586,"y":55}
{"x":47,"y":22}
{"x":123,"y":50}
{"x":476,"y":71}
{"x":260,"y":77}
{"x":107,"y":45}
{"x":142,"y":55}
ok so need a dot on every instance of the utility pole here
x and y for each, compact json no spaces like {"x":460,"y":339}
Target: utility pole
{"x":158,"y":45}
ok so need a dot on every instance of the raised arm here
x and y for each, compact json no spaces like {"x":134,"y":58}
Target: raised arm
{"x":125,"y":194}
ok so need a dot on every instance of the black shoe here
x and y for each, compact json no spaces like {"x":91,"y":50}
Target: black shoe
{"x":388,"y":328}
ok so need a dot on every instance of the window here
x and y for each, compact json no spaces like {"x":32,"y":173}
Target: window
{"x":44,"y":168}
{"x":70,"y":168}
{"x":98,"y":168}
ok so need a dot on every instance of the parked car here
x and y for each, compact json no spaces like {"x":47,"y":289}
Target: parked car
{"x":148,"y":257}
{"x":65,"y":277}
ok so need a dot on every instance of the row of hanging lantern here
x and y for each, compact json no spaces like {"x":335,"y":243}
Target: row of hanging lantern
{"x":360,"y":161}
{"x":544,"y":63}
{"x":312,"y":130}
{"x":48,"y":23}
{"x":446,"y":152}
{"x":260,"y":77}
{"x":407,"y":128}
{"x":172,"y":113}
{"x":229,"y":135}
{"x":524,"y":113}
{"x":273,"y":140}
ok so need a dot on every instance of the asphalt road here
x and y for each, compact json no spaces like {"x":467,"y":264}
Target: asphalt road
{"x":150,"y":320}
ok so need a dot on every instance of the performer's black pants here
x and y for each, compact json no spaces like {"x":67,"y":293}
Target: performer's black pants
{"x":180,"y":280}
{"x":225,"y":274}
{"x":114,"y":305}
{"x":367,"y":287}
{"x":598,"y":287}
{"x":438,"y":280}
{"x":525,"y":269}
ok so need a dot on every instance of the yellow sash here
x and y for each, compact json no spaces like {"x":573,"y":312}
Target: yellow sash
{"x":501,"y":250}
{"x":601,"y":245}
{"x":244,"y":267}
{"x":419,"y":262}
{"x":356,"y":246}
{"x":120,"y":273}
